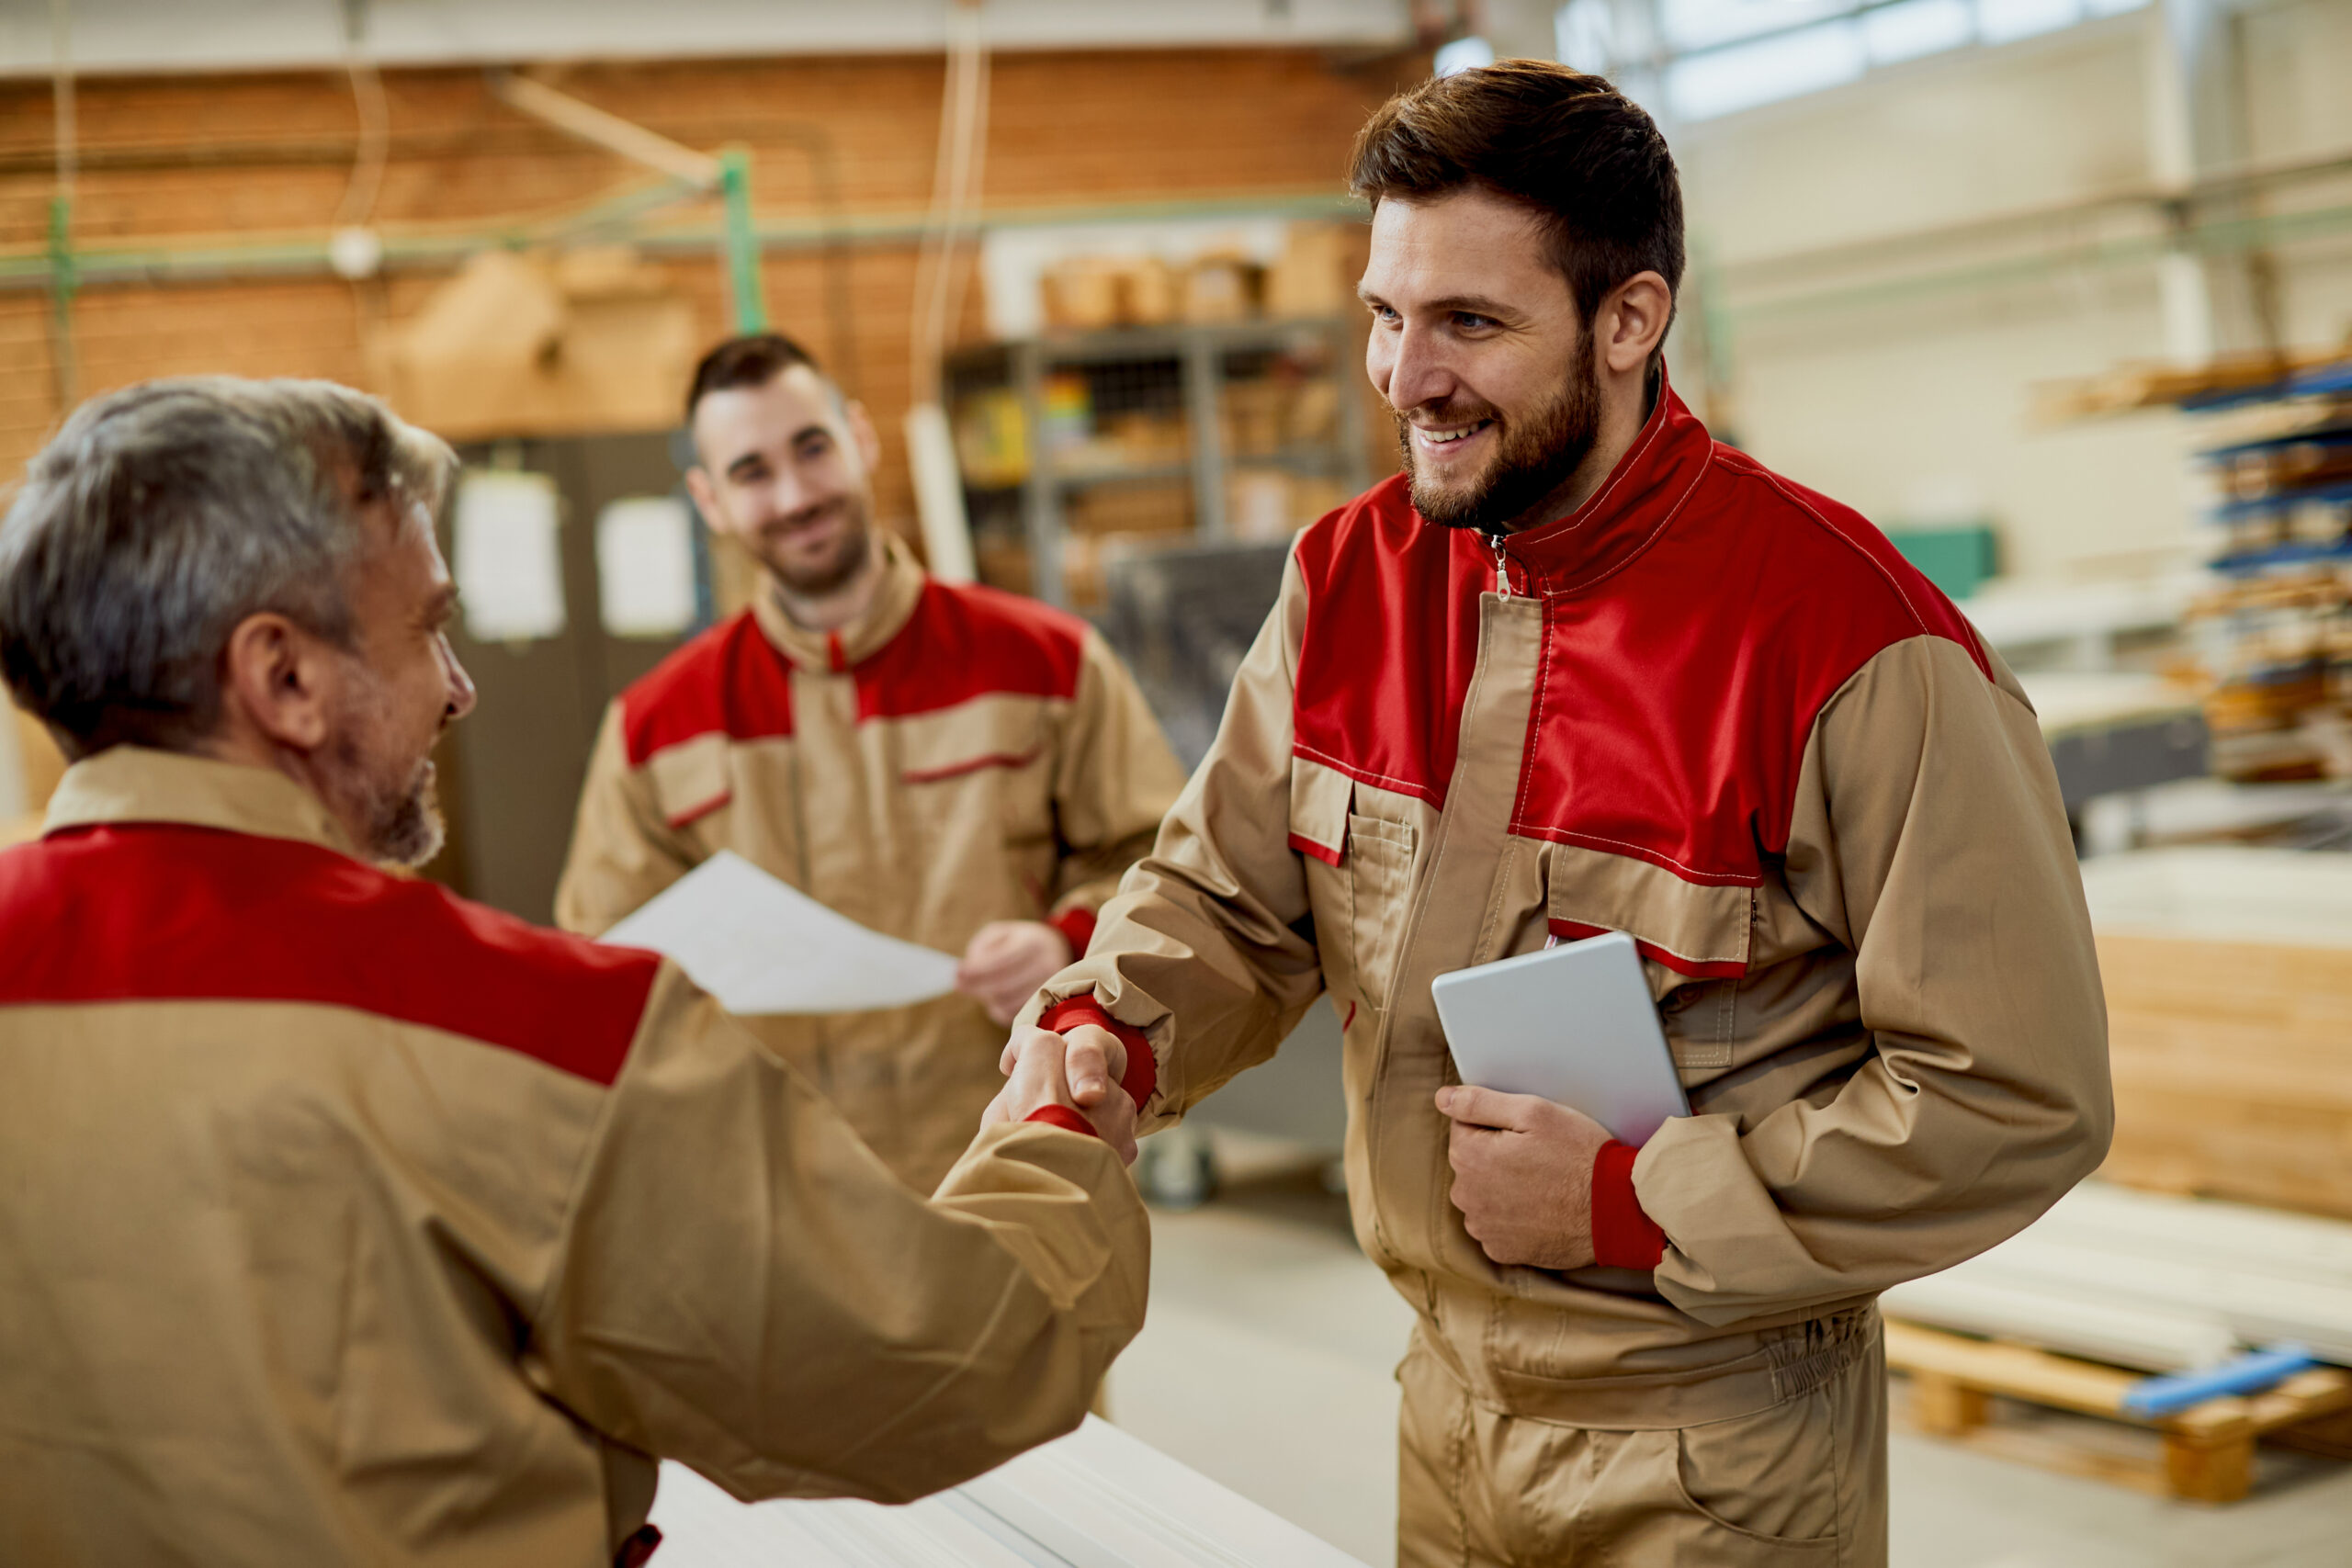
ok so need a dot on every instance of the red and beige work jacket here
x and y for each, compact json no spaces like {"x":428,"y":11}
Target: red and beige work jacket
{"x":1717,"y":711}
{"x":345,"y":1222}
{"x":955,"y":756}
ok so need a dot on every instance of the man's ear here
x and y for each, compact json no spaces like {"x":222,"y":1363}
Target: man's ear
{"x":280,"y":681}
{"x":1632,"y":321}
{"x":862,"y":431}
{"x":706,"y":498}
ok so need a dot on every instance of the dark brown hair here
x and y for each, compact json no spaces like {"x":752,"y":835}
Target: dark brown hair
{"x":1581,"y":156}
{"x":751,"y":361}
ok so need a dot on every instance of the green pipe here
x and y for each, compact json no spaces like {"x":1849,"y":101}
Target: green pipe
{"x":743,"y":241}
{"x":61,"y":282}
{"x":288,"y":256}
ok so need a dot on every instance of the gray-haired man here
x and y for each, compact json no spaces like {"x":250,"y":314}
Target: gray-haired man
{"x":340,"y":1219}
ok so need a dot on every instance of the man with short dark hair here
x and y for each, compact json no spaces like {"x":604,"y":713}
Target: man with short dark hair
{"x":949,"y":765}
{"x":345,"y":1222}
{"x":1583,"y":670}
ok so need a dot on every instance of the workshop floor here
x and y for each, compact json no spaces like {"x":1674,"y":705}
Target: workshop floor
{"x":1267,"y":1364}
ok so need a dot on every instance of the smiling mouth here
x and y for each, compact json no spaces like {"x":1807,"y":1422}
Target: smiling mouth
{"x":1447,"y":437}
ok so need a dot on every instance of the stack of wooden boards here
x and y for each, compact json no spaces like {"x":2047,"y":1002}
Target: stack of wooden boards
{"x":2229,"y":996}
{"x":2229,"y":983}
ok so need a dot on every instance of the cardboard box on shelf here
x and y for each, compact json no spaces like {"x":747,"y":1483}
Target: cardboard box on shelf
{"x":1148,"y":440}
{"x":1316,"y":275}
{"x":1256,"y":417}
{"x":1273,"y":503}
{"x":1099,"y":509}
{"x":1002,"y":563}
{"x":1096,"y":293}
{"x":1221,"y":288}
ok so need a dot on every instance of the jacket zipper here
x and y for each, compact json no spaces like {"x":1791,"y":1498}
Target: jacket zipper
{"x":1502,"y":566}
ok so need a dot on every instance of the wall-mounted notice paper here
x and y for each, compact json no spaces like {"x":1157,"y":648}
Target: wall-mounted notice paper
{"x":509,"y":567}
{"x":644,"y":566}
{"x":761,"y":946}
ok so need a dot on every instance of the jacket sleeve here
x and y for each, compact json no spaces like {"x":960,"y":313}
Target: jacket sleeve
{"x":741,"y":1285}
{"x":1208,"y":948}
{"x":622,"y":851}
{"x":1114,"y":779}
{"x":1930,"y":840}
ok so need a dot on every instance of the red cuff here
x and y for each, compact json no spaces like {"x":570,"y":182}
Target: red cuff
{"x":1078,"y":925}
{"x":1623,"y":1236}
{"x":1062,"y":1116}
{"x":1143,"y":1073}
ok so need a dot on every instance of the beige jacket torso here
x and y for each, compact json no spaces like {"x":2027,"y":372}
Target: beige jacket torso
{"x":954,"y":757}
{"x":1719,"y":713}
{"x":344,"y":1222}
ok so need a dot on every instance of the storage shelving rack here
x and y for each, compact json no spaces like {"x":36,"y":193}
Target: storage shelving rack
{"x":1178,"y":394}
{"x":2275,"y":633}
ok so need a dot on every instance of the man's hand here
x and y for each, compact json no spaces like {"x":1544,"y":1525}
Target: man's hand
{"x":1522,"y":1175}
{"x":1006,"y":962}
{"x":1043,"y":1069}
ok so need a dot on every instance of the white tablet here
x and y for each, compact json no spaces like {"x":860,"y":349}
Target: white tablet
{"x":1573,"y":1024}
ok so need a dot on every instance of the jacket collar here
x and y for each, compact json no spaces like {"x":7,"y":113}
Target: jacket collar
{"x":131,"y":783}
{"x":1643,"y":493}
{"x":886,"y":616}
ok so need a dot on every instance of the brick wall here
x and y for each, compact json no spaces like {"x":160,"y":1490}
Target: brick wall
{"x":230,"y":159}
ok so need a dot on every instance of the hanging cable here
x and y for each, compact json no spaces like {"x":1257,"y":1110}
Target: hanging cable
{"x":955,"y":180}
{"x":61,"y":208}
{"x":939,"y":299}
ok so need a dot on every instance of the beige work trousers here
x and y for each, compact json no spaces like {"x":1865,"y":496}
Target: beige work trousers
{"x":1803,"y":1482}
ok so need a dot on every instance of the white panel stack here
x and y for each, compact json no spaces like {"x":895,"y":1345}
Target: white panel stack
{"x":2142,"y":1279}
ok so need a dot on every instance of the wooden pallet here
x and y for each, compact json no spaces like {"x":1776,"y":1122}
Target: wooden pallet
{"x":2207,"y":1449}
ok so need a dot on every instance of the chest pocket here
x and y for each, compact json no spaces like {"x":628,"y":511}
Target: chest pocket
{"x":1360,"y":880}
{"x":1694,"y":937}
{"x":979,"y":768}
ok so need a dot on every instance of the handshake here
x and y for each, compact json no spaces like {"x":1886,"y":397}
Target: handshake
{"x":1080,"y":1070}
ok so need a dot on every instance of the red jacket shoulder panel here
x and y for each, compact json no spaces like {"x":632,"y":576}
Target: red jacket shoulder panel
{"x":1694,"y":680}
{"x":162,"y":912}
{"x":1390,"y":639}
{"x":964,"y":641}
{"x":727,"y":680}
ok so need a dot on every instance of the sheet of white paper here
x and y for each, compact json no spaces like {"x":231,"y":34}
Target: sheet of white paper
{"x":1097,"y":1498}
{"x":761,"y":946}
{"x":644,"y":566}
{"x":509,"y":566}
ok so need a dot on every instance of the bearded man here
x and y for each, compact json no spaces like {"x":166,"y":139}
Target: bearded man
{"x":345,"y":1222}
{"x":1582,"y":669}
{"x":943,"y":762}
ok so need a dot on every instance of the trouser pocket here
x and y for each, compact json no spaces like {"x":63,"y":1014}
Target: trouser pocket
{"x":1801,"y":1482}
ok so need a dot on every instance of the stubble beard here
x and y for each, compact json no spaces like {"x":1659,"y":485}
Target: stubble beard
{"x":1534,"y":457}
{"x":829,"y":576}
{"x":396,"y":804}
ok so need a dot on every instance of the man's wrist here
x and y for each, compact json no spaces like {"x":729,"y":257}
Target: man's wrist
{"x":1062,"y":1116}
{"x":1622,"y":1236}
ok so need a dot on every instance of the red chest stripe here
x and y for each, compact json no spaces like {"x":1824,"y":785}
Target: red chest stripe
{"x":965,"y":641}
{"x":1675,"y":693}
{"x":159,"y":912}
{"x":962,"y":642}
